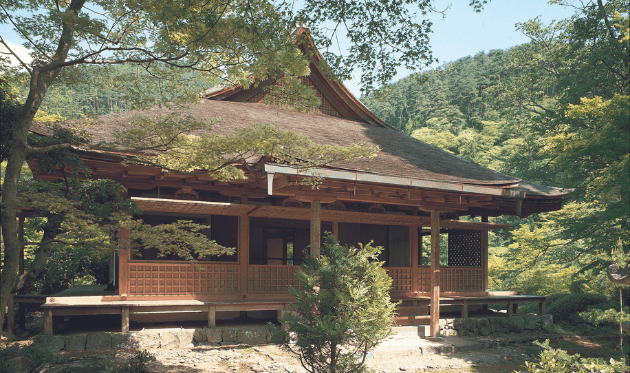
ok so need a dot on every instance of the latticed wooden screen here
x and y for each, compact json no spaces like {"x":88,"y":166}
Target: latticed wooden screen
{"x":424,"y":279}
{"x":461,"y":279}
{"x":155,"y":278}
{"x":266,"y":279}
{"x":464,"y":248}
{"x":452,"y":279}
{"x":326,"y":107}
{"x":401,"y":279}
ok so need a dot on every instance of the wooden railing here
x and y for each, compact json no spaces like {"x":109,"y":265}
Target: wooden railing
{"x":401,"y":278}
{"x":461,"y":279}
{"x":271,"y":279}
{"x":147,"y":278}
{"x":182,"y":278}
{"x":452,"y":279}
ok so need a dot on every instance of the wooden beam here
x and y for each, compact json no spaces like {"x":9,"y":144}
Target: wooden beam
{"x":316,"y":227}
{"x":435,"y":274}
{"x":335,"y":229}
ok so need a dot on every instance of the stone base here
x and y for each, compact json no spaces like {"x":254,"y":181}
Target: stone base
{"x":490,"y":325}
{"x":175,"y":338}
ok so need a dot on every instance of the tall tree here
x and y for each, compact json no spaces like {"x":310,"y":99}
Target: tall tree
{"x":582,"y":125}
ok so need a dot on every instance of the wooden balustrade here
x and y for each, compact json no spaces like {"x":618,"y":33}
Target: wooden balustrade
{"x":210,"y":278}
{"x":182,"y":278}
{"x":453,"y":279}
{"x":401,"y":278}
{"x":271,"y":279}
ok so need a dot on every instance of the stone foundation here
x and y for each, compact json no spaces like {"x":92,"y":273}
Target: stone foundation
{"x":167,"y":339}
{"x":491,"y":325}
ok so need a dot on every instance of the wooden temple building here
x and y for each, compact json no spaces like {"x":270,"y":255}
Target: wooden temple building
{"x":409,"y":191}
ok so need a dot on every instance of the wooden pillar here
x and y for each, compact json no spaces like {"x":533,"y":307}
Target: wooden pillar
{"x":316,"y":227}
{"x":541,"y":307}
{"x":510,"y":308}
{"x":435,"y":274}
{"x":48,"y":321}
{"x":484,"y":256}
{"x":212,"y":315}
{"x":243,"y":253}
{"x":123,"y":259}
{"x":11,"y":314}
{"x":413,"y":251}
{"x":335,"y":229}
{"x":464,"y":309}
{"x":124,"y":319}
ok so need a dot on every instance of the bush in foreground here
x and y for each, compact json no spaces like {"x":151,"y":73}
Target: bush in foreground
{"x":342,"y":308}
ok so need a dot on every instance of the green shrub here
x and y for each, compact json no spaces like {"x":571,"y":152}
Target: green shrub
{"x":35,"y":356}
{"x":559,"y":361}
{"x":342,"y":308}
{"x":566,"y":309}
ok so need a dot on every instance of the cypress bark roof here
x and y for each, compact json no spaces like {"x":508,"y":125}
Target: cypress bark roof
{"x":400,"y":155}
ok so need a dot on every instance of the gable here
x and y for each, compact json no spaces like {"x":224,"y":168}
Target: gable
{"x":326,"y":107}
{"x":336,"y":99}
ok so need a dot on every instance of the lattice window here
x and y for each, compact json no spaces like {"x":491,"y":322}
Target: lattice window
{"x":271,"y":279}
{"x":161,"y":279}
{"x":401,"y":279}
{"x":326,"y":107}
{"x":464,"y":248}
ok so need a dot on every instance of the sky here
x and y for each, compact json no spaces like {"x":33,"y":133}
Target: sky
{"x":461,"y":33}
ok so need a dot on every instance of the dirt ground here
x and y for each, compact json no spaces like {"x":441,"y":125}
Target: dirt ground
{"x":274,"y":359}
{"x":400,"y":353}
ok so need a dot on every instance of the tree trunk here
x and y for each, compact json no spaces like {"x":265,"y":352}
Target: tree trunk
{"x":42,"y":78}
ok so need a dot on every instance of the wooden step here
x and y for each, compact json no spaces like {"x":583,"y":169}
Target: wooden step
{"x":411,"y":320}
{"x":413,"y":311}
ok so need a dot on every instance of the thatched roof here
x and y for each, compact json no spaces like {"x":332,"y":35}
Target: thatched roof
{"x":400,"y":155}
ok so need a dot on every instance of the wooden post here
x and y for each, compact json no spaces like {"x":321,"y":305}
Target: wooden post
{"x":243,"y":253}
{"x":48,"y":321}
{"x":484,"y":256}
{"x":124,"y":319}
{"x":335,"y":229}
{"x":510,"y":308}
{"x":123,"y":258}
{"x":435,"y":274}
{"x":465,"y":309}
{"x":212,"y":315}
{"x":11,"y":314}
{"x":541,"y":307}
{"x":413,"y":251}
{"x":316,"y":227}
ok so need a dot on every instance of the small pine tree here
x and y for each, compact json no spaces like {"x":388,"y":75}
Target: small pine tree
{"x":342,"y":308}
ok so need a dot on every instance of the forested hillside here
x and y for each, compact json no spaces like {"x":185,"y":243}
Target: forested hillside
{"x":554,"y":111}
